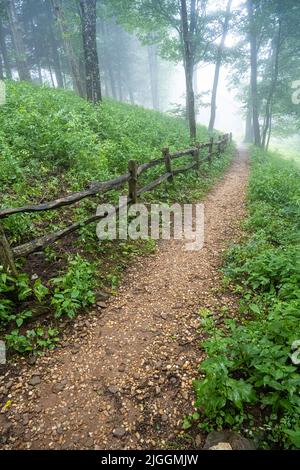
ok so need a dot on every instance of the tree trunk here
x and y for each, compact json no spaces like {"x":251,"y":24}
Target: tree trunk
{"x":105,"y":32}
{"x":3,"y":48}
{"x":54,"y":49}
{"x":275,"y":73}
{"x":254,"y":90}
{"x":218,"y":67}
{"x":189,"y":70}
{"x":249,"y":136}
{"x":153,"y":67}
{"x":69,"y":51}
{"x":89,"y":35}
{"x":18,"y":41}
{"x":1,"y":68}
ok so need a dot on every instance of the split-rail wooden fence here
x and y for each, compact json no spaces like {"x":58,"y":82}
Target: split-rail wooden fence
{"x":9,"y":254}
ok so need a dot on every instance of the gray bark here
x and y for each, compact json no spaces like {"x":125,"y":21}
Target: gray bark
{"x":253,"y":60}
{"x":18,"y":41}
{"x":89,"y":35}
{"x":69,"y":51}
{"x":220,"y":54}
{"x":189,"y":70}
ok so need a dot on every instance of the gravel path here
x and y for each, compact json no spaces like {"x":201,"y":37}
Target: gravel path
{"x":123,"y":380}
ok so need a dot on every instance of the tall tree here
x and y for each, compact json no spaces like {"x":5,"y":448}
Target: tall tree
{"x":189,"y":61}
{"x":254,"y":70}
{"x":68,"y":47}
{"x":4,"y":52}
{"x":153,"y":68}
{"x":89,"y":35}
{"x":219,"y":58}
{"x":18,"y":40}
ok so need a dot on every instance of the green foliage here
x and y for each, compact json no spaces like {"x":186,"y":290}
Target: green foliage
{"x":250,"y":382}
{"x":67,"y":294}
{"x":33,"y":340}
{"x":74,"y":290}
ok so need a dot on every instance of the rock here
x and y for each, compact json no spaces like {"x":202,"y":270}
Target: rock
{"x":6,"y":428}
{"x":221,"y":446}
{"x":35,"y":380}
{"x":59,"y":386}
{"x":25,"y":420}
{"x":89,"y":442}
{"x":119,"y":432}
{"x":158,"y":365}
{"x":101,"y":305}
{"x":100,"y":294}
{"x":113,"y":390}
{"x":75,"y":350}
{"x":9,"y":384}
{"x":122,"y":368}
{"x":236,"y":441}
{"x":198,"y":441}
{"x":31,"y":360}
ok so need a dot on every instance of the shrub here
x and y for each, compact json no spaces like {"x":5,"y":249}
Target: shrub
{"x":250,"y":382}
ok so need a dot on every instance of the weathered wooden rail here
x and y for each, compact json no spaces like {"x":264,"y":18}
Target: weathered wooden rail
{"x":8,"y":254}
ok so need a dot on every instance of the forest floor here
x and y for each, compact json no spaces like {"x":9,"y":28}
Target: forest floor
{"x":123,"y":380}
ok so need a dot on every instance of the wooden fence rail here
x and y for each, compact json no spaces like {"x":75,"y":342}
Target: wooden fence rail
{"x":9,"y":254}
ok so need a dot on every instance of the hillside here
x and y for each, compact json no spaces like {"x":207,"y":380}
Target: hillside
{"x":58,"y":136}
{"x":52,"y":143}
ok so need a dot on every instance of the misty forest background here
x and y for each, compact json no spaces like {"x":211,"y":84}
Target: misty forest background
{"x":131,"y":50}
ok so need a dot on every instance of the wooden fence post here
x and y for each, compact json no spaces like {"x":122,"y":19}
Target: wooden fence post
{"x":132,"y":184}
{"x":223,"y":143}
{"x":166,"y":155}
{"x":6,"y":255}
{"x":211,"y":149}
{"x":197,"y":155}
{"x":220,"y":146}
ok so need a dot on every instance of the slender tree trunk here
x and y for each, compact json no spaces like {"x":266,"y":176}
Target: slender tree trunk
{"x":57,"y":64}
{"x":89,"y":34}
{"x":254,"y":89}
{"x":3,"y":48}
{"x":120,"y":84}
{"x":220,"y":54}
{"x":40,"y":74}
{"x":69,"y":51}
{"x":51,"y":76}
{"x":153,"y":67}
{"x":249,"y":137}
{"x":130,"y":91}
{"x":105,"y":32}
{"x":275,"y":73}
{"x":189,"y":70}
{"x":1,"y":68}
{"x":119,"y":76}
{"x":54,"y":49}
{"x":269,"y":133}
{"x":18,"y":40}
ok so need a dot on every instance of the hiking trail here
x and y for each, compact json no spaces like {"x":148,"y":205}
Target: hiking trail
{"x":123,"y":379}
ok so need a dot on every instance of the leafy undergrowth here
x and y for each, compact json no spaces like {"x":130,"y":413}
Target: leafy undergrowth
{"x":251,"y":375}
{"x":53,"y":142}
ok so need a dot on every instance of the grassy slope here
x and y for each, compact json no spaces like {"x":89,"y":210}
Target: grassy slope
{"x":251,"y":383}
{"x":52,"y":142}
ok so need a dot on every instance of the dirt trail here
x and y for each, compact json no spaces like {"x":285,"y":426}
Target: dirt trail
{"x":124,"y":380}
